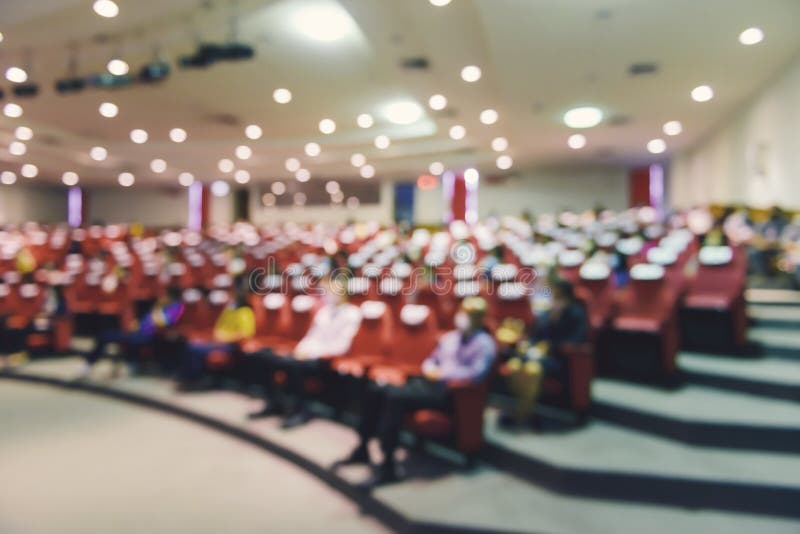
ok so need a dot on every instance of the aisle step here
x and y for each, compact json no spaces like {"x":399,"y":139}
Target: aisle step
{"x":777,"y":316}
{"x":773,"y":297}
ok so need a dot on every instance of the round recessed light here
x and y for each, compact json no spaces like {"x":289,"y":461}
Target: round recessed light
{"x":282,"y":96}
{"x":499,"y":144}
{"x":220,"y":188}
{"x":278,"y":188}
{"x":243,"y":152}
{"x":657,"y":146}
{"x":583,"y":117}
{"x":302,"y":175}
{"x":332,"y":187}
{"x":12,"y":110}
{"x":118,"y":67}
{"x":367,"y":171}
{"x":576,"y":141}
{"x":292,"y":164}
{"x":241,"y":176}
{"x":702,"y":93}
{"x":471,"y":73}
{"x":365,"y":120}
{"x":439,"y":3}
{"x":471,"y":176}
{"x":225,"y":165}
{"x":23,"y":133}
{"x":489,"y":116}
{"x":185,"y":179}
{"x":17,"y":148}
{"x":268,"y":200}
{"x":177,"y":135}
{"x":126,"y":179}
{"x":253,"y":132}
{"x":673,"y":128}
{"x":8,"y":177}
{"x":504,"y":162}
{"x":139,"y":136}
{"x":337,"y":197}
{"x":70,"y":178}
{"x":358,"y":160}
{"x":457,"y":132}
{"x":437,"y":102}
{"x":403,"y":112}
{"x":106,"y":8}
{"x":324,"y":23}
{"x":158,"y":165}
{"x":313,"y":149}
{"x":1,"y":37}
{"x":108,"y":110}
{"x":16,"y":75}
{"x":751,"y":36}
{"x":436,"y":168}
{"x":327,"y":126}
{"x":29,"y":170}
{"x":382,"y":142}
{"x":98,"y":153}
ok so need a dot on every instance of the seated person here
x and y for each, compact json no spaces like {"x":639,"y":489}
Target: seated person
{"x":464,"y":354}
{"x":236,"y":323}
{"x":565,"y":323}
{"x":165,"y":312}
{"x":330,"y":335}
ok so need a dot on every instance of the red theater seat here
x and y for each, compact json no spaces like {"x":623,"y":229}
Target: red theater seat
{"x":413,"y":340}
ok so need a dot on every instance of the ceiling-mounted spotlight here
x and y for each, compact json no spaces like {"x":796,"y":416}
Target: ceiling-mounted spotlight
{"x":26,"y":90}
{"x":154,"y":72}
{"x":106,"y":80}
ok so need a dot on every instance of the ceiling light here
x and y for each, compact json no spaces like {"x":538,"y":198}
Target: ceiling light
{"x":673,"y":128}
{"x":332,"y":187}
{"x":158,"y":166}
{"x":439,"y":3}
{"x":185,"y":179}
{"x":337,"y":197}
{"x":504,"y":162}
{"x":282,"y":96}
{"x":403,"y":112}
{"x":367,"y":171}
{"x":12,"y":110}
{"x":577,"y":141}
{"x":300,"y":199}
{"x":471,"y":176}
{"x":139,"y":136}
{"x":353,"y":203}
{"x":1,"y":37}
{"x":436,"y":168}
{"x":220,"y":188}
{"x":268,"y":199}
{"x":241,"y":176}
{"x":16,"y":75}
{"x":358,"y":160}
{"x":302,"y":175}
{"x":327,"y":126}
{"x":178,"y":135}
{"x":29,"y":170}
{"x":499,"y":144}
{"x":17,"y":148}
{"x":8,"y":177}
{"x":656,"y":146}
{"x":313,"y":150}
{"x":382,"y":142}
{"x":108,"y":110}
{"x":751,"y":36}
{"x":106,"y":8}
{"x":702,"y":93}
{"x":292,"y":164}
{"x":365,"y":120}
{"x":126,"y":179}
{"x":98,"y":153}
{"x":489,"y":116}
{"x":471,"y":73}
{"x":243,"y":152}
{"x":278,"y":188}
{"x":457,"y":132}
{"x":225,"y":165}
{"x":253,"y":132}
{"x":69,"y":178}
{"x":437,"y":102}
{"x":584,"y":117}
{"x":23,"y":133}
{"x":118,"y":67}
{"x":324,"y":23}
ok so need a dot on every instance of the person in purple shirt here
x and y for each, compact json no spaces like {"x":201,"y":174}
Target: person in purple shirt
{"x":464,"y":354}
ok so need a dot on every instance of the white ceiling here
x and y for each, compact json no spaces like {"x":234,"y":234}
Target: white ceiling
{"x":539,"y":58}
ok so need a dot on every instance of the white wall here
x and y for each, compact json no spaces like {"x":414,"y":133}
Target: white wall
{"x":149,"y":206}
{"x":22,"y":202}
{"x":753,"y":158}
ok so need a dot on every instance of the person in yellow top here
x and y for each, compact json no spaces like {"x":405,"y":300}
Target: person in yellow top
{"x":236,"y":323}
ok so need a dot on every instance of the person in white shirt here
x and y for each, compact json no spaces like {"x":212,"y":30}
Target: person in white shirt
{"x":330,"y":335}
